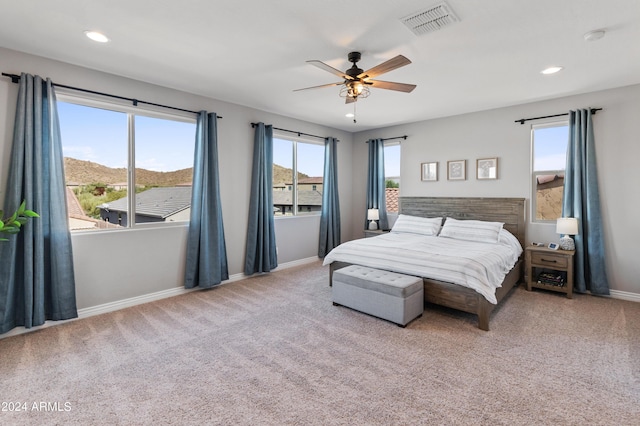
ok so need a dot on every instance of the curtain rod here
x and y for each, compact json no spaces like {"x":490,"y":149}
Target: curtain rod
{"x":397,"y":137}
{"x":16,"y":79}
{"x":293,"y":131}
{"x":522,"y":120}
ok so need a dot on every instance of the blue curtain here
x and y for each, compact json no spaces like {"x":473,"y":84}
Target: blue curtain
{"x":206,"y":264}
{"x":36,"y":278}
{"x":582,"y":200}
{"x":376,"y":197}
{"x":330,"y":214}
{"x":261,"y":238}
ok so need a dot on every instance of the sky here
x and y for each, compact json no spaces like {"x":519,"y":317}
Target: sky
{"x":100,"y":136}
{"x":550,"y":148}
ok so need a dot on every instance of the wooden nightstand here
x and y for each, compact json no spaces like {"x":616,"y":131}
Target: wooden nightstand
{"x":557,"y":263}
{"x":368,"y":233}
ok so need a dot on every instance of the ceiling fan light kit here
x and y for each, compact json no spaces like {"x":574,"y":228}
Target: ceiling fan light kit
{"x":356,"y":82}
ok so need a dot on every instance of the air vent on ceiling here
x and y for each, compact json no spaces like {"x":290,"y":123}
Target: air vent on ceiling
{"x":431,"y":19}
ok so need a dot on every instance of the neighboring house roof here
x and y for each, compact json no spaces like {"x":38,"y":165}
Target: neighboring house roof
{"x":316,"y":180}
{"x":391,"y":195}
{"x":78,"y":219}
{"x":73,"y":205}
{"x":305,"y":198}
{"x":305,"y":181}
{"x":155,"y":202}
{"x":549,"y":178}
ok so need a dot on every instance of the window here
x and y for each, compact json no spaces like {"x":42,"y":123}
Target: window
{"x":298,"y":168}
{"x":392,"y":175}
{"x":113,"y":150}
{"x":549,"y":158}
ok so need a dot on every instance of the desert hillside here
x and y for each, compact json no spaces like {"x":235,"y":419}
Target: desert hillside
{"x":85,"y":172}
{"x":283,"y":175}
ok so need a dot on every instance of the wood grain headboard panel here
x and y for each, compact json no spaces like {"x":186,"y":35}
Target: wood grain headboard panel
{"x":510,"y":211}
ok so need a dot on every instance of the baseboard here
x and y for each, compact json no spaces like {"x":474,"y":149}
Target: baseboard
{"x":145,"y":298}
{"x":298,"y":262}
{"x":624,"y":295}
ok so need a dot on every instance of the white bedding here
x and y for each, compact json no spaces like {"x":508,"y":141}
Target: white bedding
{"x":476,"y":265}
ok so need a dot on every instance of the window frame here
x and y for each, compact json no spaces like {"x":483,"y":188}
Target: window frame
{"x":294,"y":139}
{"x":386,"y":144}
{"x":536,"y":173}
{"x":116,"y":105}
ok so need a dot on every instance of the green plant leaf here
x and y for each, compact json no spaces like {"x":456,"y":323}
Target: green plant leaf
{"x":30,"y":213}
{"x":21,"y":220}
{"x":22,"y":207}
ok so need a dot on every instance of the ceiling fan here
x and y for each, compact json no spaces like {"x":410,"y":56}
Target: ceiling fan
{"x":356,"y":81}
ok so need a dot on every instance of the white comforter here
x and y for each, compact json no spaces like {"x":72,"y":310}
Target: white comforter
{"x":480,"y":266}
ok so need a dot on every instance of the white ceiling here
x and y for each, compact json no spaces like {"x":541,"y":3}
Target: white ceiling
{"x":254,"y":52}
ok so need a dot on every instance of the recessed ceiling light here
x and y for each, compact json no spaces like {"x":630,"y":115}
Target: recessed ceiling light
{"x":96,"y":36}
{"x":349,"y":114}
{"x":551,"y":70}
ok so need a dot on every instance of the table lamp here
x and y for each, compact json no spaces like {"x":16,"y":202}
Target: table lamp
{"x":372,"y":216}
{"x":567,"y":226}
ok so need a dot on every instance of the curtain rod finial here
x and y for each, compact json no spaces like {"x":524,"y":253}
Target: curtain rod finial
{"x":14,"y":77}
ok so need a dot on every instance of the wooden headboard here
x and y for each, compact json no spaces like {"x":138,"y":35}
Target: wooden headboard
{"x":510,"y":211}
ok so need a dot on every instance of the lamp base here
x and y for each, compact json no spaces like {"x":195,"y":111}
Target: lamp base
{"x":567,"y":243}
{"x":373,"y":225}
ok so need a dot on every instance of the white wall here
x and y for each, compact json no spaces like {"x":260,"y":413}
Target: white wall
{"x":112,"y":266}
{"x":494,"y":134}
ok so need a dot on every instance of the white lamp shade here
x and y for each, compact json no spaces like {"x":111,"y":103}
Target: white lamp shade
{"x":567,"y":226}
{"x":372,"y":214}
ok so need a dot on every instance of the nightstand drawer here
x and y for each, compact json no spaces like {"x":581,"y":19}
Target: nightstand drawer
{"x":550,"y":259}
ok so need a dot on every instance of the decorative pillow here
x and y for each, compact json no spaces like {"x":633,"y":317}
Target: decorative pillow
{"x":472,"y":230}
{"x":417,"y":225}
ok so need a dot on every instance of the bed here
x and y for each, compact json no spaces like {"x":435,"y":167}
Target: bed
{"x":510,"y":211}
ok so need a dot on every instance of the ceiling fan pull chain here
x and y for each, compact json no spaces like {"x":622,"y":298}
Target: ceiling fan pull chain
{"x":354,"y":111}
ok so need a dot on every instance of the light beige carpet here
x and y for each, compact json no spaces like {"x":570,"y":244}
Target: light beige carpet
{"x":273,"y":350}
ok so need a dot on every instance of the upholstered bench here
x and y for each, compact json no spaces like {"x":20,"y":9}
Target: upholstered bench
{"x":388,"y":295}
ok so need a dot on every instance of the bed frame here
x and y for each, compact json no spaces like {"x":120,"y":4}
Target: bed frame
{"x":510,"y":211}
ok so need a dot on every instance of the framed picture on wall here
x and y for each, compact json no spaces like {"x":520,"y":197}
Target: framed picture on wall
{"x":457,"y":170}
{"x":487,"y":168}
{"x":429,"y":171}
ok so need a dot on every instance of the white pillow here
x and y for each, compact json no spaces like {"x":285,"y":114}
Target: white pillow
{"x":417,"y":225}
{"x":472,"y":230}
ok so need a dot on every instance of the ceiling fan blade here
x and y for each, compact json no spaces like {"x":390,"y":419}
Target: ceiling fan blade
{"x":319,"y":87}
{"x":330,"y":69}
{"x":390,"y":85}
{"x":390,"y":65}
